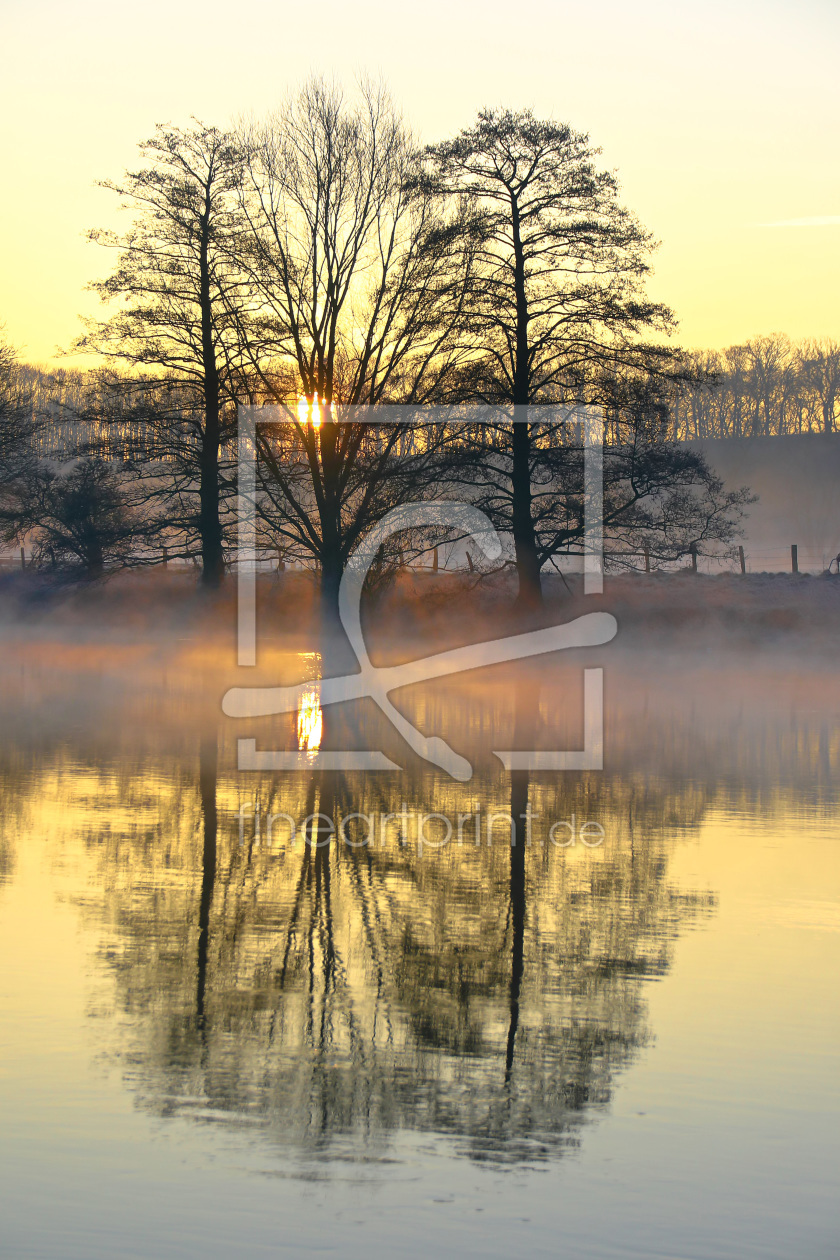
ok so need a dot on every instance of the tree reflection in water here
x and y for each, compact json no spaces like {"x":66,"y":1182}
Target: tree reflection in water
{"x":332,"y":995}
{"x":336,"y":994}
{"x":208,"y":774}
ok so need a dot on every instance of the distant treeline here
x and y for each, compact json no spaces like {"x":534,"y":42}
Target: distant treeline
{"x":767,"y":387}
{"x":72,"y":409}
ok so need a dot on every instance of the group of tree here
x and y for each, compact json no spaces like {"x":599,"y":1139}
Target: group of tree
{"x":323,"y":262}
{"x":768,"y":387}
{"x":18,"y":423}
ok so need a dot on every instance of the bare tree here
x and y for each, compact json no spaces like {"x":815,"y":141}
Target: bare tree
{"x":81,"y":518}
{"x":361,"y":282}
{"x":179,"y":313}
{"x":819,"y":362}
{"x":19,"y":428}
{"x":559,"y":292}
{"x":17,"y":423}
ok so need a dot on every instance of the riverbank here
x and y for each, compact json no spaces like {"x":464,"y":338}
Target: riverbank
{"x":423,"y":611}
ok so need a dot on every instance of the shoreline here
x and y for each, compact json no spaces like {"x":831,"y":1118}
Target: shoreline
{"x":432,"y":612}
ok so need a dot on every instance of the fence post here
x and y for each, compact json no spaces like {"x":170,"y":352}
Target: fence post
{"x":741,"y":558}
{"x":435,"y":560}
{"x":23,"y":557}
{"x":694,"y":557}
{"x":647,"y":557}
{"x":794,"y":558}
{"x":166,"y":557}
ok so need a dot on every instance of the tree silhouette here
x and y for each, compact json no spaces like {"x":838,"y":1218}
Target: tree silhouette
{"x":81,"y":518}
{"x":179,"y":314}
{"x":360,"y":280}
{"x":558,"y":294}
{"x":18,"y":431}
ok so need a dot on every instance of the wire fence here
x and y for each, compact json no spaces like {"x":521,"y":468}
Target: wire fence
{"x":791,"y":558}
{"x":783,"y":558}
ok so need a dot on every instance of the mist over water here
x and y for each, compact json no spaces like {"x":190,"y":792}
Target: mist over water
{"x":427,"y":998}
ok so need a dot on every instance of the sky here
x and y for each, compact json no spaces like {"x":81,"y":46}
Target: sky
{"x":722,"y":122}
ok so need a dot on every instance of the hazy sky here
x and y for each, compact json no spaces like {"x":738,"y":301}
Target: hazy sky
{"x":720,"y":119}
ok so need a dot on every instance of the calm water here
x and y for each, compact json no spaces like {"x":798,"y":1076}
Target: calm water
{"x":213,"y":1045}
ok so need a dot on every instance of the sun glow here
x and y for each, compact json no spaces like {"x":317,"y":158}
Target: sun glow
{"x":309,"y":411}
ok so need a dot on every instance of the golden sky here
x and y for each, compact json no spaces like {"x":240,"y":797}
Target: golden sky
{"x":720,"y":119}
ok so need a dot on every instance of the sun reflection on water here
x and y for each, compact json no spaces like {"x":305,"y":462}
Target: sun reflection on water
{"x":310,"y":719}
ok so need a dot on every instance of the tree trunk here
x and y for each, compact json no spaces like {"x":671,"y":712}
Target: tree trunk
{"x":330,"y":514}
{"x":337,"y":655}
{"x":828,"y":414}
{"x":210,"y":527}
{"x":331,"y":570}
{"x":530,"y":596}
{"x":524,"y":537}
{"x":209,"y":524}
{"x":94,"y":562}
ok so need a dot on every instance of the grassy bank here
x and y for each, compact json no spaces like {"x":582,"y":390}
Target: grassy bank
{"x":423,"y":611}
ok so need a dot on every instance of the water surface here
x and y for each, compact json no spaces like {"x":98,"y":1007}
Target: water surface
{"x":212,"y":1044}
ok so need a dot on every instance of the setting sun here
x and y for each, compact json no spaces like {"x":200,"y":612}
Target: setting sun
{"x":309,"y":412}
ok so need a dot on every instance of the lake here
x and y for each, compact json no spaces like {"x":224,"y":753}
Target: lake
{"x":588,"y":1013}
